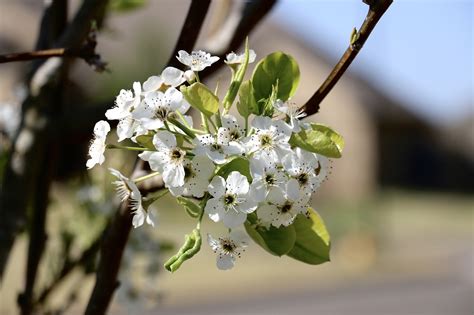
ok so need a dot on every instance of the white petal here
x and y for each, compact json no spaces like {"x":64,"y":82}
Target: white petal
{"x":248,"y":206}
{"x":258,"y":191}
{"x":213,"y":243}
{"x":164,"y":140}
{"x":172,"y":76}
{"x":293,"y":189}
{"x":157,"y":161}
{"x":101,"y":129}
{"x":233,"y":219}
{"x":214,"y":208}
{"x":267,"y":213}
{"x":173,"y":175}
{"x":262,"y":122}
{"x":237,"y":183}
{"x":153,"y":83}
{"x":276,"y":196}
{"x":138,"y":218}
{"x":217,"y":187}
{"x":240,"y":237}
{"x":225,"y":262}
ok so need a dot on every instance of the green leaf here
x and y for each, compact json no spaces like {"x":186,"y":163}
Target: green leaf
{"x":190,"y":207}
{"x":247,"y":104}
{"x":277,"y":70}
{"x":276,"y":241}
{"x":312,"y":243}
{"x":126,"y":5}
{"x":239,"y":164}
{"x":146,"y":141}
{"x":319,"y":139}
{"x":237,"y":79}
{"x":200,"y":97}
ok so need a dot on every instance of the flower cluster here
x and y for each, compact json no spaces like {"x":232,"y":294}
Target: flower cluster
{"x":232,"y":167}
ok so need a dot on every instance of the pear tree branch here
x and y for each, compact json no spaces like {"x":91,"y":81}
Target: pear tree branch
{"x":377,"y":9}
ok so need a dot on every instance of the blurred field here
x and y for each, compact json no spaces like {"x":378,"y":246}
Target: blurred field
{"x":408,"y":249}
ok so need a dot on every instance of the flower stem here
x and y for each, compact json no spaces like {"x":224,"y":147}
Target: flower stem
{"x":204,"y":123}
{"x":145,"y":177}
{"x":116,"y":146}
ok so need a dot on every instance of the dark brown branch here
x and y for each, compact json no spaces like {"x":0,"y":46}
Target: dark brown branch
{"x":376,"y":11}
{"x":25,"y":159}
{"x":57,"y":20}
{"x":117,"y":233}
{"x":68,"y":266}
{"x":188,"y":38}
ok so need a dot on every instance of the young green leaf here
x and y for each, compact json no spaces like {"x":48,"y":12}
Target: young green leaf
{"x":247,"y":104}
{"x":146,"y":141}
{"x":312,"y":243}
{"x":276,"y":241}
{"x":238,"y":164}
{"x":191,"y":247}
{"x":319,"y":139}
{"x":200,"y":97}
{"x":277,"y":70}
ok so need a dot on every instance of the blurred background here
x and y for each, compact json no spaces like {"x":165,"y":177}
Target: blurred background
{"x":398,"y":204}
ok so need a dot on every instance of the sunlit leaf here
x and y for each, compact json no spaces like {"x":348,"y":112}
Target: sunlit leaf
{"x":319,"y":139}
{"x":312,"y":243}
{"x":276,"y":71}
{"x":200,"y":97}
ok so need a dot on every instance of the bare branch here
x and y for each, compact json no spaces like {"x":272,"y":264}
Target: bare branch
{"x":376,"y":11}
{"x":29,"y":148}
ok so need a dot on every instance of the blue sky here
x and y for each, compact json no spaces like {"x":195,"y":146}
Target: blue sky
{"x":420,"y":52}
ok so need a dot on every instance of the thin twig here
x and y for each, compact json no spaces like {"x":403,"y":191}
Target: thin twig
{"x":39,"y":54}
{"x":376,"y":11}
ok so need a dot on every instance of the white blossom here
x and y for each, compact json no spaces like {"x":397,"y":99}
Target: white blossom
{"x":234,"y":58}
{"x":197,"y":60}
{"x":281,"y":209}
{"x":158,"y":106}
{"x":125,"y":102}
{"x":97,"y":147}
{"x":270,"y":139}
{"x":230,"y":203}
{"x":127,"y":189}
{"x":197,"y":173}
{"x":301,"y":166}
{"x":168,"y":160}
{"x":265,"y":175}
{"x":228,"y":248}
{"x":219,"y":147}
{"x":293,"y":112}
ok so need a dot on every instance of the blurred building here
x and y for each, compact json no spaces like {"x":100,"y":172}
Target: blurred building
{"x":386,"y":144}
